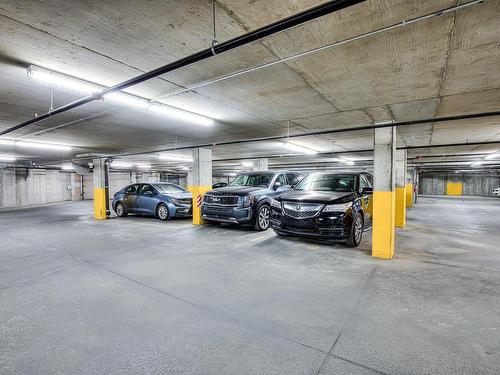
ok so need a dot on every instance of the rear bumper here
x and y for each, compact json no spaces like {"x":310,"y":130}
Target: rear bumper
{"x":225,"y":214}
{"x":335,"y":226}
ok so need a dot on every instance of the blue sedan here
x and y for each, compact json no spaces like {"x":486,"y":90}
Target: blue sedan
{"x":160,"y":199}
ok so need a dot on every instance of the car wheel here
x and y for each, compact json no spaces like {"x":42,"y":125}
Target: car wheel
{"x":356,"y":231}
{"x":120,"y":210}
{"x":162,"y":212}
{"x":262,"y":219}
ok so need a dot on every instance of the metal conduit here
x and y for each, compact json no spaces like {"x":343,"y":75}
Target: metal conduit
{"x":273,"y":28}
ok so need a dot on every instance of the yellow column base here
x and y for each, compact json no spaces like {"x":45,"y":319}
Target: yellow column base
{"x":409,"y":195}
{"x":198,"y":192}
{"x":384,"y":233}
{"x":400,"y":207}
{"x":454,"y":188}
{"x":100,"y":204}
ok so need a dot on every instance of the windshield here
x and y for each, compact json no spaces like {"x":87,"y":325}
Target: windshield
{"x":252,"y":180}
{"x":327,"y":182}
{"x":169,"y":188}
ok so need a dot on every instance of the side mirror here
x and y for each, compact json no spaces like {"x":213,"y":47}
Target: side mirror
{"x":148,"y":193}
{"x":276,"y":185}
{"x":367,"y":190}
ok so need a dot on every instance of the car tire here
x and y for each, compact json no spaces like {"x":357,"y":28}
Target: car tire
{"x":356,"y":234}
{"x":162,"y":212}
{"x":262,"y":218}
{"x":120,"y":210}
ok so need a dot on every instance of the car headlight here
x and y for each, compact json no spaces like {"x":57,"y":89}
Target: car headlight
{"x":341,"y":207}
{"x":275,"y":203}
{"x":175,"y":201}
{"x":248,"y":200}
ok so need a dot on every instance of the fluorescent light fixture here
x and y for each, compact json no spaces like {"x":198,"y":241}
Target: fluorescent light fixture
{"x":45,"y":146}
{"x":184,"y":168}
{"x":67,"y":167}
{"x":174,"y":157}
{"x":493,"y":155}
{"x":346,"y":161}
{"x":143,"y":166}
{"x":62,"y":81}
{"x":7,"y":158}
{"x":246,"y":164}
{"x":181,"y":114}
{"x":121,"y":164}
{"x":83,"y":87}
{"x":477,"y":163}
{"x":294,"y":147}
{"x":232,"y":174}
{"x":347,"y":158}
{"x":127,"y":100}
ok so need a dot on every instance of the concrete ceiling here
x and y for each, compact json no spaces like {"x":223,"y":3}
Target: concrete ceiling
{"x":443,"y":66}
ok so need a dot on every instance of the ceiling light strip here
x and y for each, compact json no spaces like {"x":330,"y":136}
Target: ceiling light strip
{"x":38,"y":145}
{"x":83,"y":87}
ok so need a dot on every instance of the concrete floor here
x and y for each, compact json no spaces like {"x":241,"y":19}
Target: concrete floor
{"x":139,"y":296}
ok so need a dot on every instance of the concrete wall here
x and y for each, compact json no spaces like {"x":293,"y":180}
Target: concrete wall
{"x":117,"y":181}
{"x":22,"y":187}
{"x":480,"y":184}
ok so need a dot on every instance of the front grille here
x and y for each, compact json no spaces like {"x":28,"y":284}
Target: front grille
{"x":302,"y":210}
{"x":221,"y":200}
{"x":217,"y":209}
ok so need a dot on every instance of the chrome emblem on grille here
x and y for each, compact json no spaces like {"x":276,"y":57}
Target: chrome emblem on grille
{"x":298,"y":207}
{"x":215,"y":199}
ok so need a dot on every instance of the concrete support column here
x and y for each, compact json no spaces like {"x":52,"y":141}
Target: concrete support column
{"x":410,"y":187}
{"x":201,"y":180}
{"x":189,"y":181}
{"x":384,"y":233}
{"x":416,"y":178}
{"x":260,"y":165}
{"x":400,"y":167}
{"x":101,"y":189}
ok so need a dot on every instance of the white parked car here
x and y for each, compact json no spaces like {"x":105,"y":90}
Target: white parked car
{"x":496,"y":192}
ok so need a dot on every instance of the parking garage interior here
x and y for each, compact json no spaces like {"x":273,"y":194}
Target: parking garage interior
{"x":99,"y":96}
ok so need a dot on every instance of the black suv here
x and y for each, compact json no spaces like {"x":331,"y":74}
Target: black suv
{"x":335,"y":206}
{"x":247,"y":200}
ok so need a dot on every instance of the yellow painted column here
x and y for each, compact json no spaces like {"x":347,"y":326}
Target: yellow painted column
{"x":101,"y":190}
{"x":201,"y":180}
{"x":100,"y":204}
{"x":409,"y":195}
{"x":400,"y":191}
{"x":384,"y":217}
{"x":384,"y":194}
{"x":400,"y":207}
{"x":198,"y":193}
{"x":454,"y":188}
